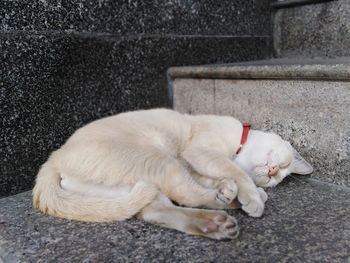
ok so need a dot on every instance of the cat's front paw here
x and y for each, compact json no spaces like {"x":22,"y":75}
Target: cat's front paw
{"x":227,"y":192}
{"x":253,"y":202}
{"x":263,"y":194}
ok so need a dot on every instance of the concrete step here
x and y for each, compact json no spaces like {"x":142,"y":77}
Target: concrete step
{"x":305,"y":101}
{"x":304,"y":221}
{"x":315,"y":30}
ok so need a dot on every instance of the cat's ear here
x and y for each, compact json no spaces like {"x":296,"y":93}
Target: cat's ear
{"x":299,"y":165}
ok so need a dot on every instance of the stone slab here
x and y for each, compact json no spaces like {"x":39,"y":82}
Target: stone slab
{"x":283,"y":68}
{"x":317,"y":30}
{"x":190,"y":17}
{"x":304,"y":221}
{"x":313,"y":115}
{"x":51,"y":84}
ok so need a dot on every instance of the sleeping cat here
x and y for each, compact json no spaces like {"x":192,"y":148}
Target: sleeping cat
{"x":135,"y":163}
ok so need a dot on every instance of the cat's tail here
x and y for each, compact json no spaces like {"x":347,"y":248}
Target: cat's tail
{"x":50,"y":198}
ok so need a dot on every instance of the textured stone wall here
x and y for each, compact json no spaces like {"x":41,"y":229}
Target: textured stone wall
{"x":305,"y":102}
{"x":312,"y":115}
{"x":64,"y":64}
{"x":320,"y":30}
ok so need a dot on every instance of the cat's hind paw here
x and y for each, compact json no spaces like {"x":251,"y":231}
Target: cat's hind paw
{"x":215,"y":224}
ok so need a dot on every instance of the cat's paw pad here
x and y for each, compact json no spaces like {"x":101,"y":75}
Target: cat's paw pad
{"x":263,"y":194}
{"x":252,"y":203}
{"x":227,"y":192}
{"x":221,"y":226}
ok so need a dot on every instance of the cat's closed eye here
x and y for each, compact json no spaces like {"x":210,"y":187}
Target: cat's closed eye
{"x":284,"y":165}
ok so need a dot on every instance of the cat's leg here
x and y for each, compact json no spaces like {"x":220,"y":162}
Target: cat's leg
{"x":228,"y":185}
{"x":176,"y":182}
{"x":205,"y":180}
{"x":216,"y":165}
{"x":215,"y":183}
{"x":208,"y":223}
{"x":236,"y":204}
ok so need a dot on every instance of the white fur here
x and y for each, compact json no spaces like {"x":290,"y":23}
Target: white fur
{"x":98,"y":190}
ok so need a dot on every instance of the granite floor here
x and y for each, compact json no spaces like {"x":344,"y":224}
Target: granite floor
{"x":304,"y":221}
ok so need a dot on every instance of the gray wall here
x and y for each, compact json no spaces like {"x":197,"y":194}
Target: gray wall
{"x":320,"y":30}
{"x":64,"y":64}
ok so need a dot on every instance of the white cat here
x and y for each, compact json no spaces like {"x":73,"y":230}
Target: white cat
{"x":134,"y":163}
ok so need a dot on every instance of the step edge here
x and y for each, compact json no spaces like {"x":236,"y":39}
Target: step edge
{"x":335,"y":72}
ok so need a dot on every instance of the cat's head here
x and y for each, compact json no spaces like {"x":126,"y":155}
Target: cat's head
{"x":268,"y":159}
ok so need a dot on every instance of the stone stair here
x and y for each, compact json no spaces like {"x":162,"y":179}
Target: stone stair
{"x":305,"y":101}
{"x":65,"y":64}
{"x":305,"y":220}
{"x":318,"y":30}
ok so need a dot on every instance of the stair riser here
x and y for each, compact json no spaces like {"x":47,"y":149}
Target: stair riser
{"x":313,"y":115}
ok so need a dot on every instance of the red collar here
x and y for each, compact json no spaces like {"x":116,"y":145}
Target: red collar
{"x":246,"y":128}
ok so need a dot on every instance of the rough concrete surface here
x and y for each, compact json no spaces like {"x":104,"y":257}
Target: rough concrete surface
{"x":316,"y":30}
{"x":305,"y":101}
{"x":304,"y":221}
{"x":313,"y":115}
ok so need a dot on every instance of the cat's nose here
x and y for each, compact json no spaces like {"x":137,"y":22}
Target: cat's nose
{"x":273,"y":170}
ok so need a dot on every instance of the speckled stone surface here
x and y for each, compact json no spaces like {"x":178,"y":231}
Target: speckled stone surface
{"x":65,"y":63}
{"x":321,"y":30}
{"x":312,"y":115}
{"x":189,"y":17}
{"x":52,"y":84}
{"x":304,"y":221}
